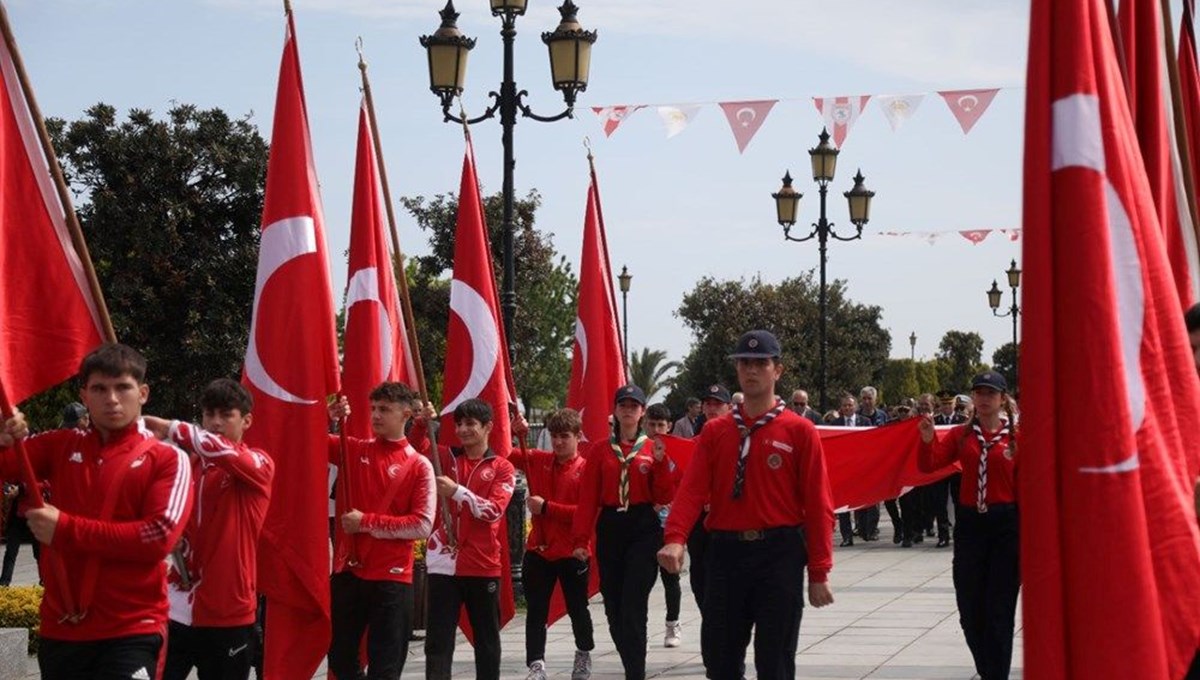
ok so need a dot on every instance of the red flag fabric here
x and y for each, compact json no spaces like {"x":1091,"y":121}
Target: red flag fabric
{"x":291,"y":367}
{"x":611,"y":117}
{"x":745,"y":118}
{"x":476,"y":355}
{"x":48,"y":316}
{"x":376,"y":342}
{"x":968,"y":106}
{"x":840,"y":114}
{"x":1101,"y":318}
{"x":1154,"y":121}
{"x":870,"y":465}
{"x":597,"y":367}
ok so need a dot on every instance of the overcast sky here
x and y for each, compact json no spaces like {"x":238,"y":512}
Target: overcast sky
{"x":676,"y":209}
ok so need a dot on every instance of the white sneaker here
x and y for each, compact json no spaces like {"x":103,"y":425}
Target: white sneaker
{"x":583,"y":666}
{"x":537,"y":671}
{"x":672,"y":637}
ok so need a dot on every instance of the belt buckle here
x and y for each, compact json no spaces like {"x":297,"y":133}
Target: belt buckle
{"x":752,"y":535}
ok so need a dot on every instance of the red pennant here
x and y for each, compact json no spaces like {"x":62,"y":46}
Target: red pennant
{"x":745,"y":118}
{"x":1101,"y":317}
{"x":611,"y":117}
{"x":48,"y":317}
{"x":968,"y":106}
{"x":840,"y":114}
{"x":869,"y":465}
{"x":376,"y":344}
{"x":975,"y":236}
{"x":291,"y":367}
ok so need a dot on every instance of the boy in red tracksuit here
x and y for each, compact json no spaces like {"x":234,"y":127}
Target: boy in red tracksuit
{"x":477,"y":485}
{"x":121,"y":501}
{"x":553,"y":478}
{"x":385,"y":501}
{"x":213,"y":593}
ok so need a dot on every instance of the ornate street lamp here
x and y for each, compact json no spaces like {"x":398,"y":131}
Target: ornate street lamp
{"x":912,"y":343}
{"x":625,"y":279}
{"x":994,"y":294}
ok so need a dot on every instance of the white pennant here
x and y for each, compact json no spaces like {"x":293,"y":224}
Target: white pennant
{"x":677,"y":118}
{"x":898,"y":108}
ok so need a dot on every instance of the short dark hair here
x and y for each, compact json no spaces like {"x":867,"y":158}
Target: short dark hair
{"x":476,"y":409}
{"x":1192,"y":318}
{"x":113,"y":360}
{"x":658,"y":411}
{"x":224,"y":393}
{"x":690,"y":402}
{"x":395,"y":392}
{"x":564,"y":420}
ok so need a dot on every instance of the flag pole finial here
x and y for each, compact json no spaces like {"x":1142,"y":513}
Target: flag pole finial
{"x":362,"y":60}
{"x":587,"y":144}
{"x":462,"y":114}
{"x":287,"y":7}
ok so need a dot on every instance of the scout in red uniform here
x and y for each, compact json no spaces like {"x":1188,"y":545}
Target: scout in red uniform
{"x":762,"y":471}
{"x":477,"y":484}
{"x":554,"y":478}
{"x":213,"y":593}
{"x":121,"y":501}
{"x":385,"y":501}
{"x":658,"y":423}
{"x":987,"y":574}
{"x":625,"y":478}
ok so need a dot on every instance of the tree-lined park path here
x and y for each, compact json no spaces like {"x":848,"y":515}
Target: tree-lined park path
{"x":894,"y":617}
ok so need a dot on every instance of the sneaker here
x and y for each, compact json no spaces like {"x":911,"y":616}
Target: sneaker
{"x":537,"y":671}
{"x":672,"y":637}
{"x":583,"y":666}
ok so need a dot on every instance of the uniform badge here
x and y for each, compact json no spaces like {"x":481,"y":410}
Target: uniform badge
{"x":644,"y":468}
{"x":487,"y":474}
{"x":774,"y":461}
{"x":393,"y":470}
{"x":753,"y":343}
{"x":493,"y":586}
{"x":1009,"y":453}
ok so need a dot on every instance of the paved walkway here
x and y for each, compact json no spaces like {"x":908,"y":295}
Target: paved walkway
{"x":894,"y":617}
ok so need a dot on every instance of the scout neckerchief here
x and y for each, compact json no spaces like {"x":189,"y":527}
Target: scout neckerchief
{"x":626,"y":461}
{"x":984,"y":445}
{"x":739,"y":475}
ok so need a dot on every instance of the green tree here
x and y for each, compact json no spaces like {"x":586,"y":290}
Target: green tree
{"x":648,"y":370}
{"x":928,"y":376}
{"x":1004,"y":361}
{"x":718,"y":312}
{"x":170,"y":210}
{"x":961,"y":354}
{"x":899,"y":381}
{"x":544,"y":325}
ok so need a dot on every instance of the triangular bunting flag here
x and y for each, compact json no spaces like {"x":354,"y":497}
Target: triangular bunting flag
{"x":968,"y":106}
{"x":975,"y":236}
{"x":898,"y":108}
{"x":745,"y":118}
{"x":676,"y":118}
{"x":611,"y":117}
{"x":840,"y":114}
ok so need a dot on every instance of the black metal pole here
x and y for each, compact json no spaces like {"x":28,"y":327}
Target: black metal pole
{"x":508,"y":120}
{"x":625,"y":322}
{"x":822,"y":240}
{"x":1016,"y":348}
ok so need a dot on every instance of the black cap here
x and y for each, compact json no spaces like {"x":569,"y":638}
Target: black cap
{"x":945,"y":396}
{"x":990,"y":379}
{"x":73,"y":413}
{"x":756,"y":345}
{"x":717,"y":393}
{"x":632,"y":392}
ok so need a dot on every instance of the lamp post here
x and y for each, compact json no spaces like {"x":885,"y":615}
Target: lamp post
{"x":787,"y":204}
{"x":570,"y":60}
{"x":625,"y":279}
{"x":912,"y":343}
{"x":994,"y":294}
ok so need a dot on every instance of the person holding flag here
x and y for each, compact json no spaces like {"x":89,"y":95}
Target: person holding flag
{"x":987,"y":574}
{"x":625,"y":477}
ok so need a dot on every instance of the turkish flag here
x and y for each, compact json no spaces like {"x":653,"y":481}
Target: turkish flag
{"x":1102,"y":317}
{"x":476,"y":351}
{"x":1154,"y":121}
{"x":291,"y":367}
{"x":745,"y":118}
{"x":968,"y":106}
{"x":376,"y":342}
{"x":48,"y":316}
{"x":597,"y":366}
{"x":867,"y":465}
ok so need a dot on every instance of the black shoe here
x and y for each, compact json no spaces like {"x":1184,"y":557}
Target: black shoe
{"x":918,"y":539}
{"x":874,"y":536}
{"x":906,"y":544}
{"x":846,"y":542}
{"x":943,"y":542}
{"x":896,"y":537}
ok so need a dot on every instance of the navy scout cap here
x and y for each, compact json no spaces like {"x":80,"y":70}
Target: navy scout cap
{"x":756,"y":345}
{"x":990,"y":379}
{"x":631,"y":392}
{"x":716,"y":393}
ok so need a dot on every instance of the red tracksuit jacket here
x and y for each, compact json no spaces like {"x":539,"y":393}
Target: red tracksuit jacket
{"x":650,"y":481}
{"x":485,"y":487}
{"x":127,"y":553}
{"x":382,"y":471}
{"x":786,"y":485}
{"x":961,"y":444}
{"x":558,"y":483}
{"x":232,"y":488}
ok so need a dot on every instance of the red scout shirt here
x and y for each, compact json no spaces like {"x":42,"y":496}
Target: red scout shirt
{"x":485,"y":487}
{"x":962,"y":444}
{"x":383,"y":471}
{"x":558,"y":483}
{"x":786,"y":485}
{"x":232,"y":489}
{"x":650,"y":482}
{"x":127,"y":552}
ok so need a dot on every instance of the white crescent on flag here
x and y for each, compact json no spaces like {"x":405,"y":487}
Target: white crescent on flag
{"x":476,"y":314}
{"x":364,"y":287}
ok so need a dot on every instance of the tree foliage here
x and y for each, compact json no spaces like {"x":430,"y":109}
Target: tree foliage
{"x":961,"y":355}
{"x":1004,"y":362}
{"x":718,"y":312}
{"x":170,"y":210}
{"x":904,"y":378}
{"x":648,"y":370}
{"x":544,"y":325}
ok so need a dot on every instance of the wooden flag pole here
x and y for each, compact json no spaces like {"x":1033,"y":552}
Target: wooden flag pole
{"x":1178,"y":116}
{"x":60,"y":184}
{"x":410,"y":323}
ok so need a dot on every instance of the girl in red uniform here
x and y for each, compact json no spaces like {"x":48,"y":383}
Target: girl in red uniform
{"x":986,"y":569}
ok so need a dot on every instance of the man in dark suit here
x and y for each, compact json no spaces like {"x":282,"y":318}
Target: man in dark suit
{"x":801,"y":407}
{"x":949,"y":413}
{"x":849,"y":418}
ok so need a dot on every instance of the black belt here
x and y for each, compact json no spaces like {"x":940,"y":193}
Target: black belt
{"x":755,"y":534}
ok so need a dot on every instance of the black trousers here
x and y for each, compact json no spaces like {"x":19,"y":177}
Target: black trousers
{"x":905,"y":513}
{"x":987,"y":578}
{"x":941,"y":493}
{"x":112,"y":659}
{"x":756,"y":586}
{"x":697,"y":548}
{"x":539,"y":576}
{"x":626,"y":547}
{"x":17,"y":533}
{"x":447,"y":596}
{"x":381,"y":609}
{"x":217,"y":653}
{"x":867,"y":520}
{"x":671,"y":592}
{"x":845,"y":528}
